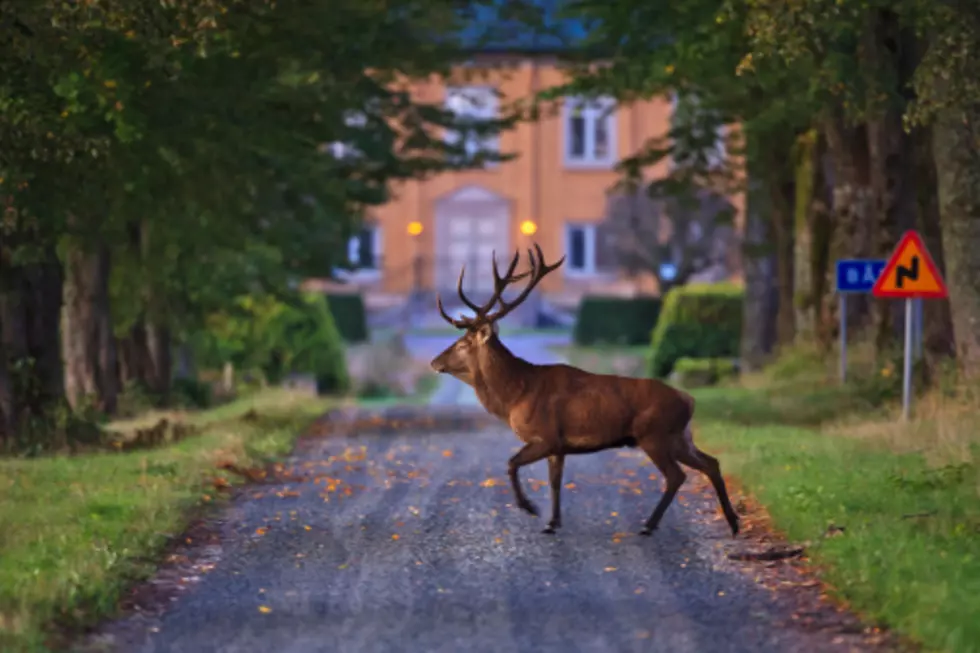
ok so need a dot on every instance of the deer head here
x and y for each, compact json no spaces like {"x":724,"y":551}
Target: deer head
{"x":461,"y":358}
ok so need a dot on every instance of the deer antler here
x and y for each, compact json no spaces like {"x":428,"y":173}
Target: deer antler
{"x":537,"y":272}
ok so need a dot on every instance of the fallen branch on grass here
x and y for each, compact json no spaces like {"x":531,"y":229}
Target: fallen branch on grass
{"x":773,"y":553}
{"x":915,"y":515}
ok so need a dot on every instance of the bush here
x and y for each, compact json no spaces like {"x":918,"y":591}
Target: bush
{"x":700,"y":372}
{"x":615,"y":320}
{"x":349,"y":316}
{"x":697,"y":321}
{"x":311,"y":343}
{"x":192,"y":393}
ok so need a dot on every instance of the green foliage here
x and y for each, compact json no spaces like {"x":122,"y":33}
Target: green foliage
{"x":615,"y":320}
{"x":697,"y":320}
{"x":349,"y":316}
{"x":295,"y":334}
{"x":192,"y":393}
{"x":700,"y":372}
{"x":307,"y":341}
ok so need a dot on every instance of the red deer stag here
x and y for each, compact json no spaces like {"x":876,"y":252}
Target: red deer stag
{"x":557,"y":410}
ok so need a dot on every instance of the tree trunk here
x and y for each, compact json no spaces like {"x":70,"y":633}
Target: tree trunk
{"x":160,"y":359}
{"x":30,"y":359}
{"x":890,"y":56}
{"x":782,"y":196}
{"x":955,"y":135}
{"x":89,"y":345}
{"x":133,"y":357}
{"x":803,"y":242}
{"x":937,"y":323}
{"x":852,"y":210}
{"x":759,"y":266}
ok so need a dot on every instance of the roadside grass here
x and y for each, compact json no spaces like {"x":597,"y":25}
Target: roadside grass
{"x":906,"y":494}
{"x":78,"y":530}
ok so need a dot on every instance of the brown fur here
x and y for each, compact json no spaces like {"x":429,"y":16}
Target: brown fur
{"x":559,"y":410}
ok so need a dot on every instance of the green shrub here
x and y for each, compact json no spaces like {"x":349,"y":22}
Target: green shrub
{"x":615,"y":320}
{"x":697,"y":321}
{"x":700,"y":372}
{"x":349,"y":316}
{"x":311,"y":343}
{"x":192,"y":393}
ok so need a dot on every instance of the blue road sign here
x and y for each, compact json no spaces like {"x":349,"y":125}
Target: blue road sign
{"x":858,"y":275}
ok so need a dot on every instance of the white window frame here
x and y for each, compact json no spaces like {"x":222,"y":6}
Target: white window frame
{"x":589,"y":270}
{"x":353,"y":247}
{"x":595,"y":109}
{"x":475,"y":94}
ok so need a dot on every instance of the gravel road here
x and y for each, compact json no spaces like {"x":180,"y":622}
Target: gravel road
{"x":404,"y":538}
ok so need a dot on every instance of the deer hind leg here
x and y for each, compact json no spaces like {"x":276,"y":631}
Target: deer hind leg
{"x":674,"y":478}
{"x":556,"y":467}
{"x":531,"y":453}
{"x":708,"y":465}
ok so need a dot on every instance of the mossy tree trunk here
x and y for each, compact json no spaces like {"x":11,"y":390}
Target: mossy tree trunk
{"x":956,"y":133}
{"x":89,"y":344}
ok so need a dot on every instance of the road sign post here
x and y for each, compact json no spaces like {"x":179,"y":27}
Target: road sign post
{"x":910,"y":274}
{"x":854,"y":276}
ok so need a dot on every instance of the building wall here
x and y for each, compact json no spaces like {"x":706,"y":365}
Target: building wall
{"x":536,"y":186}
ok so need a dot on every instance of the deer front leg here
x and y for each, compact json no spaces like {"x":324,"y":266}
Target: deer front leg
{"x":556,"y":466}
{"x":531,"y":453}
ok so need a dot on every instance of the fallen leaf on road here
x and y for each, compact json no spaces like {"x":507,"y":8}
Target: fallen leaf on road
{"x":490,"y":482}
{"x":610,"y":569}
{"x":261,"y":530}
{"x":394,"y":536}
{"x":569,"y":486}
{"x":447,"y":453}
{"x":264,"y":609}
{"x":309,"y":528}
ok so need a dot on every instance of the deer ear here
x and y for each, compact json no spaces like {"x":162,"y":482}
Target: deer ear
{"x":486,"y":332}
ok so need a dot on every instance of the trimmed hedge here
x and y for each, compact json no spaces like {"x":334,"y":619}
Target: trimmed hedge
{"x":349,"y":316}
{"x":697,"y":321}
{"x":615,"y":320}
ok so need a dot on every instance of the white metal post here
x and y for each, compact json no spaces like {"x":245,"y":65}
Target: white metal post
{"x":843,"y":336}
{"x":907,"y":367}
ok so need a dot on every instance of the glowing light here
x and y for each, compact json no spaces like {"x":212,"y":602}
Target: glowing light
{"x":414,"y":228}
{"x":528,"y":228}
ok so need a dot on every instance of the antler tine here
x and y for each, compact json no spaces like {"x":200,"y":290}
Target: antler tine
{"x":460,"y":323}
{"x":459,"y":289}
{"x":500,"y":284}
{"x":539,"y":269}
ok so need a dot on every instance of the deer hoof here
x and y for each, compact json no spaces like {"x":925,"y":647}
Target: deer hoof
{"x":646,"y":530}
{"x":549,"y":530}
{"x":529,"y":508}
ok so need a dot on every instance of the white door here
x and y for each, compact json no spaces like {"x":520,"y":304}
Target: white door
{"x":469,"y":230}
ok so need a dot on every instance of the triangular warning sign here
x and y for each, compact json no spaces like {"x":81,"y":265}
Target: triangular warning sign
{"x":910,"y":272}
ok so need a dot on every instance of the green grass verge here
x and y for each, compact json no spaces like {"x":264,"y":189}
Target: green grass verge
{"x":78,"y":530}
{"x":908,"y":497}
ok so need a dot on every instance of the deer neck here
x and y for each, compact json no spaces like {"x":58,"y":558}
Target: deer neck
{"x":500,"y":379}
